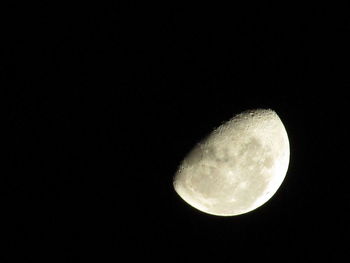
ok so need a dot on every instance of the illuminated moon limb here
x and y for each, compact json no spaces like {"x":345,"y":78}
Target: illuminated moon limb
{"x":238,"y":167}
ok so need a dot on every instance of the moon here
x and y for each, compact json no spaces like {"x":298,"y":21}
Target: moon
{"x":236,"y":168}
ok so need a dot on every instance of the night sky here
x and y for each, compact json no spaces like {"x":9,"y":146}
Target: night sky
{"x":102,"y":103}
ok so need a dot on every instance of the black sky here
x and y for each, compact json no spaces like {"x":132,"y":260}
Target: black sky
{"x":102,"y":103}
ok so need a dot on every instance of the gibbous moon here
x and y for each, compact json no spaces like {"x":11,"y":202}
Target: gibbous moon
{"x":238,"y":167}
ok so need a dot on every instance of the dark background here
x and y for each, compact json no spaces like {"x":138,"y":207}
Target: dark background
{"x":103,"y":102}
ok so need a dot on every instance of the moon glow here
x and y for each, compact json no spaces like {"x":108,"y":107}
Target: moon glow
{"x":238,"y":167}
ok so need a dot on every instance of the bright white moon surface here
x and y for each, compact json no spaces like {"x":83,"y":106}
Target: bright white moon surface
{"x":238,"y":167}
